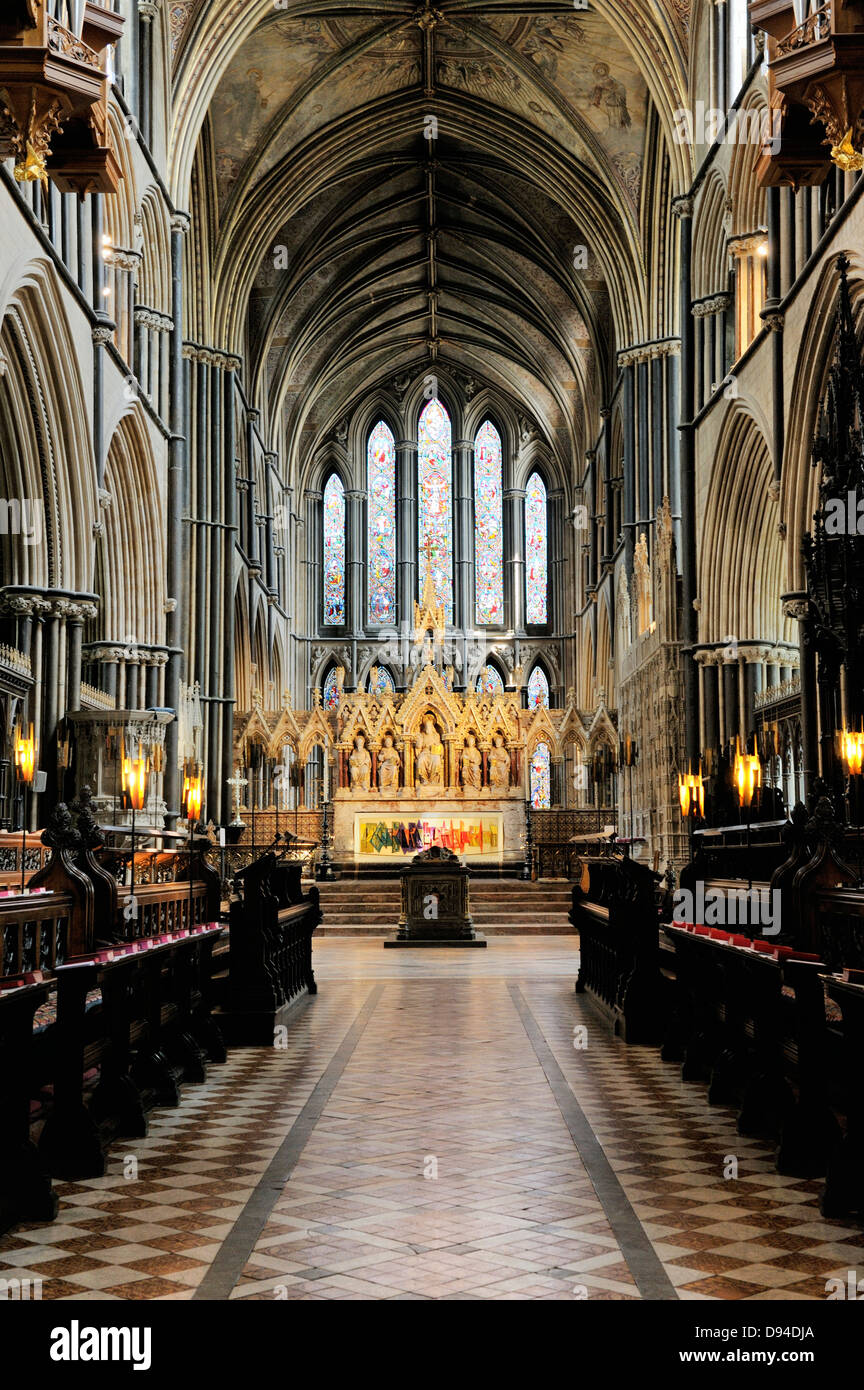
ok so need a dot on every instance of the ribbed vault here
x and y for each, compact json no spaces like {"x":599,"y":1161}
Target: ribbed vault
{"x":390,"y":188}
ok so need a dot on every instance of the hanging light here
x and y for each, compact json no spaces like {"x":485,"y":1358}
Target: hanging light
{"x":747,"y":774}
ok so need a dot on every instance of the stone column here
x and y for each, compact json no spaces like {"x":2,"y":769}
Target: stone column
{"x":253,"y":418}
{"x":147,"y":12}
{"x":464,"y":607}
{"x":177,"y":464}
{"x":75,"y":631}
{"x":514,"y":559}
{"x":683,"y":209}
{"x":356,"y":550}
{"x":798,"y":606}
{"x":557,"y":564}
{"x":314,"y":545}
{"x":407,"y":530}
{"x":229,"y":486}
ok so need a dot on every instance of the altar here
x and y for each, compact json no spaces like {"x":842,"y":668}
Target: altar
{"x":393,"y":830}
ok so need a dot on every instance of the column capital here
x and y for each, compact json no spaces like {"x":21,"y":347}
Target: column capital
{"x":683,"y":207}
{"x":797,"y":606}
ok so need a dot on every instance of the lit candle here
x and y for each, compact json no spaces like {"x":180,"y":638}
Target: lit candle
{"x":526,"y":783}
{"x":326,"y":772}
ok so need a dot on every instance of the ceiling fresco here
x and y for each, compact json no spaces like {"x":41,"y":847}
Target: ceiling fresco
{"x":569,"y":75}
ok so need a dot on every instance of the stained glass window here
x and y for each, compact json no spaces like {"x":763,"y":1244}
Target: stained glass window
{"x":334,"y":552}
{"x":381,"y":485}
{"x":380,"y":681}
{"x":538,"y":689}
{"x":330,"y":698}
{"x":541,"y":778}
{"x":435,"y":489}
{"x":488,"y":526}
{"x":489,"y":681}
{"x":536,"y":552}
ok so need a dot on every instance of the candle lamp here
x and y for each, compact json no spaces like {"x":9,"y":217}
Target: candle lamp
{"x":25,"y":771}
{"x":193,"y":797}
{"x":852,"y":754}
{"x":691,"y":797}
{"x":747,"y":775}
{"x":135,"y":778}
{"x":325,"y":871}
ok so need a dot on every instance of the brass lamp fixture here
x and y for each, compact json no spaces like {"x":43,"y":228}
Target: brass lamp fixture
{"x":193,"y":796}
{"x":25,"y":772}
{"x":747,"y":775}
{"x":136,"y":773}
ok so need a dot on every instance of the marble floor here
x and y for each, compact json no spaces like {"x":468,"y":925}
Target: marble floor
{"x":440,"y":1125}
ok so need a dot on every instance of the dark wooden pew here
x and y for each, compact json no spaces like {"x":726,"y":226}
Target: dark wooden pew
{"x":138,"y":1012}
{"x":844,"y":1182}
{"x":780,"y":1039}
{"x":150,"y":1029}
{"x":271,"y":926}
{"x":616,"y":913}
{"x":25,"y":1186}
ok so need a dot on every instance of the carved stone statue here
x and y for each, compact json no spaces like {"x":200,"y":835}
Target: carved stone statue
{"x":389,"y":763}
{"x":360,"y":766}
{"x":472,"y":765}
{"x":499,"y":766}
{"x":429,"y":762}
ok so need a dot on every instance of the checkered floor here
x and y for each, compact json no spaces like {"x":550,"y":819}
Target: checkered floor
{"x":440,"y":1165}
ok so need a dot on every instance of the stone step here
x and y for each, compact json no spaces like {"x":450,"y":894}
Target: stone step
{"x":385,"y":919}
{"x":551,"y":929}
{"x":500,"y":907}
{"x":478,"y":894}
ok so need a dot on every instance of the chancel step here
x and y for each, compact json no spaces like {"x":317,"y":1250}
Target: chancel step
{"x":504,"y":907}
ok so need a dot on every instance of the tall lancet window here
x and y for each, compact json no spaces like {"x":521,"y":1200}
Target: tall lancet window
{"x":381,"y":487}
{"x":536,"y":552}
{"x":334,"y":552}
{"x":488,"y":526}
{"x":489,"y":682}
{"x":435,"y":498}
{"x":541,"y":778}
{"x":330,"y":699}
{"x":538,"y":689}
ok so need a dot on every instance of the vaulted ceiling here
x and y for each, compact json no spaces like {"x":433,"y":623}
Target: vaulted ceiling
{"x":392,"y":187}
